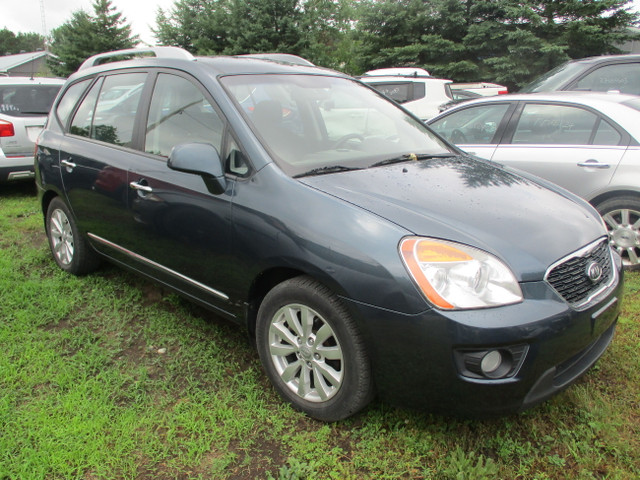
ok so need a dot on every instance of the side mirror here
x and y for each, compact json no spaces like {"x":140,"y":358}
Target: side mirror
{"x":200,"y":159}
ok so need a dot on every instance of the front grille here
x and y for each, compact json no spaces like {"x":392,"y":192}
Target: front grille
{"x":570,"y":278}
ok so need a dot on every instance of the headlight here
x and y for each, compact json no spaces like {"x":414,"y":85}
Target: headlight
{"x":456,"y":276}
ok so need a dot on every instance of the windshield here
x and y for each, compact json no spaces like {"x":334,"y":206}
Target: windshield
{"x":315,"y":124}
{"x":554,"y":79}
{"x":27,"y":100}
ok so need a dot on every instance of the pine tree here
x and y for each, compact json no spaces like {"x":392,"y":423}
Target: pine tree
{"x":85,"y":35}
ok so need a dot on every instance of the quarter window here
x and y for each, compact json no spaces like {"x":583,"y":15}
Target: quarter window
{"x":69,"y":100}
{"x":81,"y":124}
{"x":179,"y":113}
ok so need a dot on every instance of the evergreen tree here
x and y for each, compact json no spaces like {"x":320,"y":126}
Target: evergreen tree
{"x":85,"y":35}
{"x":10,"y":43}
{"x":500,"y":40}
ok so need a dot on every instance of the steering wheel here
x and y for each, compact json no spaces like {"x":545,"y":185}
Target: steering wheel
{"x":344,"y":139}
{"x":457,"y":136}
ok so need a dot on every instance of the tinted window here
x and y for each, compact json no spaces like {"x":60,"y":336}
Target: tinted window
{"x":622,"y":77}
{"x":476,"y":125}
{"x":117,"y":106}
{"x":180,"y":113}
{"x":27,"y":100}
{"x":554,"y":124}
{"x":401,"y":92}
{"x":69,"y":99}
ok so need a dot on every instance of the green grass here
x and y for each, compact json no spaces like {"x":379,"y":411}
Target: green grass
{"x":85,"y":393}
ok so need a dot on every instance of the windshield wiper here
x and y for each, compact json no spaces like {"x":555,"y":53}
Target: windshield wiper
{"x":412,"y":157}
{"x":327,"y":169}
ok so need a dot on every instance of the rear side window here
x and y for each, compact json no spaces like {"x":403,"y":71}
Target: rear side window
{"x":117,"y":107}
{"x":108,"y":112}
{"x":27,"y":100}
{"x":401,"y":92}
{"x":624,"y":78}
{"x":179,"y":113}
{"x":563,"y":125}
{"x":69,"y":100}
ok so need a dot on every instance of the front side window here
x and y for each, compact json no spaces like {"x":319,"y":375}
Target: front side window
{"x":555,"y":125}
{"x":624,"y":78}
{"x":179,"y":113}
{"x":311,"y":122}
{"x":473,"y":125}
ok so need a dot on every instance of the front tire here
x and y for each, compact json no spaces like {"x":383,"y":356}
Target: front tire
{"x":312,"y":350}
{"x":622,"y":217}
{"x":69,"y":248}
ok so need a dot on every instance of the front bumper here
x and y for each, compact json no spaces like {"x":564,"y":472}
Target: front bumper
{"x":416,"y":358}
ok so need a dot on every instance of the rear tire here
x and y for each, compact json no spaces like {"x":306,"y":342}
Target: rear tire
{"x":69,"y":248}
{"x":622,"y":217}
{"x":312,"y":350}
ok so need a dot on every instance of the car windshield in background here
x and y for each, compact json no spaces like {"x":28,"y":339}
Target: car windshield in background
{"x":553,"y":79}
{"x":27,"y":100}
{"x":316,"y":124}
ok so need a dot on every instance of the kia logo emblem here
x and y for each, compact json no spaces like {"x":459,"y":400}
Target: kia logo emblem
{"x":594,"y":272}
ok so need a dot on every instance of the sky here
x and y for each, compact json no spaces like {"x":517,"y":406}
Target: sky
{"x":24,"y":15}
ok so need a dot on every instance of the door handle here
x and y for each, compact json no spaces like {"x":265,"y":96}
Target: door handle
{"x":594,"y":164}
{"x":140,"y":187}
{"x":69,"y":164}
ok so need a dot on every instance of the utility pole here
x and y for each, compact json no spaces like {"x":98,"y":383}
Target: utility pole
{"x":44,"y":26}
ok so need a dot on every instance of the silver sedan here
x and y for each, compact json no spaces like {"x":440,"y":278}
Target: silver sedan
{"x":24,"y":106}
{"x":587,"y":142}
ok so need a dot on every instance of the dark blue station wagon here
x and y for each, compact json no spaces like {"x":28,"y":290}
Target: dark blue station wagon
{"x":364,"y":254}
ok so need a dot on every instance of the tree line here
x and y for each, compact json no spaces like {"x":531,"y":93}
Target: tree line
{"x":504,"y":41}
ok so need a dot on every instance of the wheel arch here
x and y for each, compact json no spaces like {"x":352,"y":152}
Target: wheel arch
{"x":602,"y":197}
{"x":268,"y":279}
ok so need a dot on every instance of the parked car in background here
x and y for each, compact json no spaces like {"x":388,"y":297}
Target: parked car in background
{"x":459,"y":96}
{"x":24,"y":106}
{"x":588,"y":143}
{"x":413,"y":88}
{"x":605,"y":73}
{"x":423,"y":95}
{"x":362,"y":253}
{"x":484,"y":89}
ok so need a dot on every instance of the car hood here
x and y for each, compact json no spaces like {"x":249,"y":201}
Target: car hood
{"x":473,"y":202}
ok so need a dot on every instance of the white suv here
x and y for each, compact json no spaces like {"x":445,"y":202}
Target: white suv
{"x":413,"y":88}
{"x":24,"y":106}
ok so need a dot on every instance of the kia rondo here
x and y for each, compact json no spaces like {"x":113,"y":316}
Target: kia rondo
{"x":362,"y":253}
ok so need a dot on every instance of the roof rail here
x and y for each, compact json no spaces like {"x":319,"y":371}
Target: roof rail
{"x":158,"y":52}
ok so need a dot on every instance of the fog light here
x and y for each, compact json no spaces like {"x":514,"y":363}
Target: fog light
{"x":491,"y":362}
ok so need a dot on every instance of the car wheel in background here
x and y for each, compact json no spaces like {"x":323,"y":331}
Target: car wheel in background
{"x":622,"y":217}
{"x":312,"y":351}
{"x":71,"y":250}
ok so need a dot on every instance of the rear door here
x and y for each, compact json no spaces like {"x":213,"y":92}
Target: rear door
{"x":570,"y":145}
{"x":96,"y":152}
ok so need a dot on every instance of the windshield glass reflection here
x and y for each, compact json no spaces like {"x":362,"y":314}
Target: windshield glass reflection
{"x":314,"y":123}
